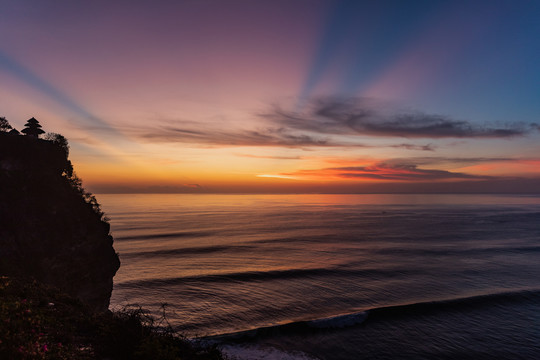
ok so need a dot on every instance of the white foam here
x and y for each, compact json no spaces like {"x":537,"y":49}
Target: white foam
{"x":254,"y":352}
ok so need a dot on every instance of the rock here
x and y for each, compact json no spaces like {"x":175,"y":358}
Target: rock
{"x":50,"y":228}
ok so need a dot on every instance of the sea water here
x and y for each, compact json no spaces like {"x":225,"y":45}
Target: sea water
{"x":336,"y":276}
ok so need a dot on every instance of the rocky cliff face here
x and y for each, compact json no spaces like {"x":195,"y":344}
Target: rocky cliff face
{"x":50,"y":228}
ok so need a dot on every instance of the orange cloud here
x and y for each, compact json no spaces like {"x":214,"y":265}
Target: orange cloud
{"x":516,"y":167}
{"x":383,"y":172}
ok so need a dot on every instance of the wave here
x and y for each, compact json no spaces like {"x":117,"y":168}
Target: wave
{"x":187,"y":251}
{"x":383,"y":313}
{"x":164,"y":235}
{"x":309,"y":239}
{"x":268,"y":275}
{"x":454,"y":304}
{"x":457,"y":251}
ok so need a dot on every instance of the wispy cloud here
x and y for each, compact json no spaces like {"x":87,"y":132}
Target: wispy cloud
{"x":188,"y":132}
{"x":386,"y":171}
{"x":236,"y":137}
{"x":400,"y":172}
{"x":329,"y":122}
{"x":427,"y":147}
{"x":364,"y":116}
{"x":271,"y":157}
{"x":426,"y":160}
{"x":459,"y":161}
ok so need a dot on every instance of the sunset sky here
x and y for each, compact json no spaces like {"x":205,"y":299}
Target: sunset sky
{"x":282,"y":95}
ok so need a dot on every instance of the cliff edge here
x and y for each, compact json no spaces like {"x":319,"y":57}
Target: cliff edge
{"x":51,"y":229}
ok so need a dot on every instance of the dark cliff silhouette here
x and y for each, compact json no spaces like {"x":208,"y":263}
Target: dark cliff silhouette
{"x":51,"y":229}
{"x":53,"y":232}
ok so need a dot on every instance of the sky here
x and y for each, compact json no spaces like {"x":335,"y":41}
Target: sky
{"x":281,"y":96}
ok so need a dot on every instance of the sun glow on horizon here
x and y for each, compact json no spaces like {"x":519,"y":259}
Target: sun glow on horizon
{"x":277,"y":176}
{"x":350,"y":96}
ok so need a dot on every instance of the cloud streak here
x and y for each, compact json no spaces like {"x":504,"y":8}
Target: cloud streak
{"x":330,"y":122}
{"x":270,"y":157}
{"x":402,"y":172}
{"x":427,"y":147}
{"x":430,"y":160}
{"x":190,"y":133}
{"x":220,"y":137}
{"x":386,"y":171}
{"x":363,"y":116}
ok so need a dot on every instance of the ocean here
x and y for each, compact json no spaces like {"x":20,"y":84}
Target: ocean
{"x":336,"y":276}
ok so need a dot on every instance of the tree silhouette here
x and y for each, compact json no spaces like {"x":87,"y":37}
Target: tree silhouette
{"x":32,"y":128}
{"x":59,"y":140}
{"x":4,"y":125}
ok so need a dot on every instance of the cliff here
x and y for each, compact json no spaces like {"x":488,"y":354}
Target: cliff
{"x":50,"y":228}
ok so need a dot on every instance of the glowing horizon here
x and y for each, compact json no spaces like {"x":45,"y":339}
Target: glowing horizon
{"x":302,"y":96}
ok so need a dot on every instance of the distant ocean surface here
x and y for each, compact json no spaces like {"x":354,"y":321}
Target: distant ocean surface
{"x":336,"y":276}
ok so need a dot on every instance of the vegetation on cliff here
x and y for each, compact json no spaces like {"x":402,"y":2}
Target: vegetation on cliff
{"x":40,"y":322}
{"x":57,"y":263}
{"x":52,"y":229}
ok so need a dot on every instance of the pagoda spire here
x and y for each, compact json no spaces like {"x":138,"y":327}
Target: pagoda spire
{"x":32,"y":128}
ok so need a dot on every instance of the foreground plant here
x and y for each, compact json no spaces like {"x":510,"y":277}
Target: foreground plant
{"x":39,"y":322}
